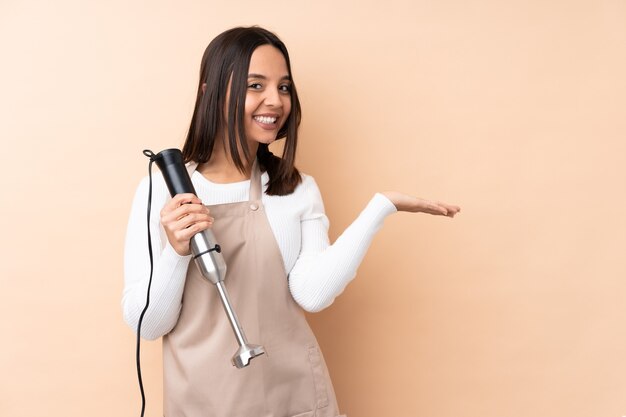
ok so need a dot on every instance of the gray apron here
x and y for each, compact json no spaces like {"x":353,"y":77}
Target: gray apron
{"x":291,"y":379}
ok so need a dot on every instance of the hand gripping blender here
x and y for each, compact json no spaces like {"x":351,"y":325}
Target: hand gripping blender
{"x":206,"y":252}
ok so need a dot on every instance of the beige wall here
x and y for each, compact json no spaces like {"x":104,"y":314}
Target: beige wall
{"x":512,"y":109}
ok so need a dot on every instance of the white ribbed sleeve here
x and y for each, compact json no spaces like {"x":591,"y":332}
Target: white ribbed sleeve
{"x":170,"y":269}
{"x":322,"y":271}
{"x":317,"y":270}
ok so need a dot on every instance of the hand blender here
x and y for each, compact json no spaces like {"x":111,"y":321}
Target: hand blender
{"x":206,"y":252}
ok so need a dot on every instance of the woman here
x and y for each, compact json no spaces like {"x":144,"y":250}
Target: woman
{"x":269,"y":220}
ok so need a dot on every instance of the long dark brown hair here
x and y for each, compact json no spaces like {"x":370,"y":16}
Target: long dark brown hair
{"x":227,"y":58}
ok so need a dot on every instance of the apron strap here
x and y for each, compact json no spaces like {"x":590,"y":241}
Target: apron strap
{"x":191,"y":167}
{"x":255,"y":182}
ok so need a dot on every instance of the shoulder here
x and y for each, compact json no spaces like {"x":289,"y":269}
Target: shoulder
{"x":308,"y":185}
{"x":307,"y":191}
{"x":305,"y":201}
{"x":160,"y":193}
{"x":158,"y":183}
{"x":159,"y":187}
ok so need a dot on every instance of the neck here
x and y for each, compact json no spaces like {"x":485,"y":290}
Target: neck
{"x":221,"y":169}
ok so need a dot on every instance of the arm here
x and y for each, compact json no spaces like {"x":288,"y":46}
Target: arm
{"x":170,"y":268}
{"x":322,"y":271}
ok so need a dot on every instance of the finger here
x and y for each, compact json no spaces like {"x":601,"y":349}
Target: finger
{"x":187,"y":209}
{"x":186,"y":198}
{"x":449,"y":207}
{"x":172,"y":213}
{"x":453,"y":209}
{"x":189,"y":232}
{"x":179,"y":199}
{"x":191,"y":219}
{"x":438,"y":209}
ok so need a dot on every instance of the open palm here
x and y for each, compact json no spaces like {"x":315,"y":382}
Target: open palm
{"x":404,"y":202}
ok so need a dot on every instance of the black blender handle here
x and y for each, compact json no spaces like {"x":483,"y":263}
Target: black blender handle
{"x":172,"y":166}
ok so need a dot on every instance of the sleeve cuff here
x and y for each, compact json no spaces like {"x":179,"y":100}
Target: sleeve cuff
{"x":383,"y":205}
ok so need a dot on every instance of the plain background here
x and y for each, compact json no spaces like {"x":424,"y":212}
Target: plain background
{"x":515,"y":110}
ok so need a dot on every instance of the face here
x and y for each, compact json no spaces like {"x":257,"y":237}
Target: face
{"x":268,"y":100}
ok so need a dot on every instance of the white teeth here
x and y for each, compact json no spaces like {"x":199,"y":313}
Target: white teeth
{"x":265,"y":119}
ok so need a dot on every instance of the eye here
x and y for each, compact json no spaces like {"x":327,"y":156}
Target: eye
{"x":285,"y":88}
{"x":255,"y":86}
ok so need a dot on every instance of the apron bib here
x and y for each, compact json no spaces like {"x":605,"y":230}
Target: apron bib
{"x":291,"y":378}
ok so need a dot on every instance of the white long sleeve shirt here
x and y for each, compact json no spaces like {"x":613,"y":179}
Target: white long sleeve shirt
{"x":317,"y":271}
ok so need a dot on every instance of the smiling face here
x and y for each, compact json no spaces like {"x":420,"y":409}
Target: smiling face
{"x":268,"y":98}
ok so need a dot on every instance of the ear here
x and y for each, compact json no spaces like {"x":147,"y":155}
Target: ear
{"x":203,"y":88}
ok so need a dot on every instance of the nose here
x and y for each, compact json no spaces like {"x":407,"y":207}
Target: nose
{"x":272,"y":97}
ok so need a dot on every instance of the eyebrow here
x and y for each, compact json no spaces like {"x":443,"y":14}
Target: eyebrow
{"x":263,"y":77}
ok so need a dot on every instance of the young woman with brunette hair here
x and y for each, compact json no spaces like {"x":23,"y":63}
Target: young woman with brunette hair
{"x":269,"y":220}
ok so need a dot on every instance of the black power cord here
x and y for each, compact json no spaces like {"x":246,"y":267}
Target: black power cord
{"x":153,"y":157}
{"x":150,"y":155}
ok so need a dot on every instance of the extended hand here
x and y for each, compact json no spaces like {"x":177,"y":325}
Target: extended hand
{"x":411,"y":204}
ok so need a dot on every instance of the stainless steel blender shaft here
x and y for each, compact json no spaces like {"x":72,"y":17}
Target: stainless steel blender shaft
{"x":246,"y":351}
{"x":212,"y":266}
